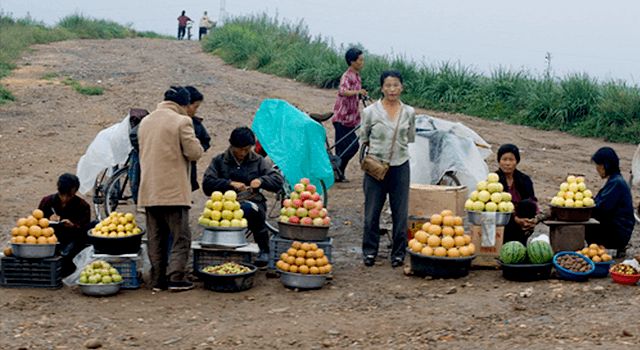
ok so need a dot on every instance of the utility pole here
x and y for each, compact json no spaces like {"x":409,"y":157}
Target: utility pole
{"x":223,"y":12}
{"x":547,"y":58}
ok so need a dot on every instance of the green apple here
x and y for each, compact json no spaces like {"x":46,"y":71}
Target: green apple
{"x":217,"y":196}
{"x":588,"y":202}
{"x":203,"y":221}
{"x":494,"y":187}
{"x":481,"y":186}
{"x":217,"y":205}
{"x":84,"y":279}
{"x":468,"y":205}
{"x":227,"y":214}
{"x":491,"y":207}
{"x":214,"y":223}
{"x":208,"y":204}
{"x":474,"y":196}
{"x":478,"y":206}
{"x":569,"y":195}
{"x":235,"y":223}
{"x":484,"y":196}
{"x":107,"y":279}
{"x":493,"y":177}
{"x":116,"y":278}
{"x":496,"y":197}
{"x":229,"y":205}
{"x":238,"y":214}
{"x":578,"y":196}
{"x":578,"y":204}
{"x":564,"y":187}
{"x":506,"y":197}
{"x":503,"y":207}
{"x":571,"y":179}
{"x":244,"y":222}
{"x":573,"y":187}
{"x":225,"y":223}
{"x":569,"y":203}
{"x":230,"y":195}
{"x":587,"y":194}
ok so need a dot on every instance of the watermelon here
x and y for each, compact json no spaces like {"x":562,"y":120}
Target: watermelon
{"x":539,"y":252}
{"x":513,"y":252}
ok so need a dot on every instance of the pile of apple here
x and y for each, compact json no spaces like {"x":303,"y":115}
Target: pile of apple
{"x":443,"y":236}
{"x":304,"y":206}
{"x":223,"y":210}
{"x":489,"y":196}
{"x":117,"y":225}
{"x":573,"y":194}
{"x":33,"y":229}
{"x":100,"y":272}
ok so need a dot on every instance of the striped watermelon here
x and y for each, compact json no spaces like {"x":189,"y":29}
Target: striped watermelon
{"x":539,"y":252}
{"x":513,"y":252}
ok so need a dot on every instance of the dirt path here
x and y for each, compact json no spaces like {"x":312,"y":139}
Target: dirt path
{"x":48,"y":128}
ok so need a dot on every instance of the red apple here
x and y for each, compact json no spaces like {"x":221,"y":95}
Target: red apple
{"x":315,"y":197}
{"x":294,"y":220}
{"x":306,"y":221}
{"x":311,"y":188}
{"x":318,"y":205}
{"x":305,"y":181}
{"x":299,"y":187}
{"x":309,"y":204}
{"x":297,"y":203}
{"x":286,"y":203}
{"x":305,"y":195}
{"x":302,"y":212}
{"x":327,"y":221}
{"x":318,"y":222}
{"x":294,"y":195}
{"x":323,"y":212}
{"x":314,"y":213}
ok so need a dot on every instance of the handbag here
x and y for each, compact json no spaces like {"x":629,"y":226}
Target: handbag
{"x":374,"y":167}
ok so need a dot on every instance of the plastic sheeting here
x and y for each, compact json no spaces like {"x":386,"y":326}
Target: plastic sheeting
{"x":294,"y":141}
{"x":635,"y":167}
{"x":109,"y":148}
{"x":442,"y":146}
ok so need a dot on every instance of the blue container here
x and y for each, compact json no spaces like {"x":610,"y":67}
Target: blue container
{"x":570,"y":275}
{"x":602,"y":269}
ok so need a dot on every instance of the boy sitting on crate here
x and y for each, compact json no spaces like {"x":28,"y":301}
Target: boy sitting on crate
{"x":70,"y":216}
{"x":240,"y":169}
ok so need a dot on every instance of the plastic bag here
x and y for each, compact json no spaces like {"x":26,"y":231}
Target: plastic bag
{"x":110,"y":147}
{"x":294,"y":141}
{"x":442,"y":146}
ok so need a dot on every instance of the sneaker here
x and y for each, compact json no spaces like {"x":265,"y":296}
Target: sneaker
{"x":262,"y":260}
{"x":180,"y":286}
{"x":396,"y":262}
{"x":369,"y":260}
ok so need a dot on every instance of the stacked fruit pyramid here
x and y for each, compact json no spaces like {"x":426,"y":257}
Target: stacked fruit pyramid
{"x":443,"y":236}
{"x":33,"y":229}
{"x":304,"y":258}
{"x":489,"y":196}
{"x":573,"y":194}
{"x":304,"y":206}
{"x":223,"y":210}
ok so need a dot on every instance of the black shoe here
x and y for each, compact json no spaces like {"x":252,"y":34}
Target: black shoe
{"x":263,"y":259}
{"x":369,"y":260}
{"x":396,"y":262}
{"x":180,"y":286}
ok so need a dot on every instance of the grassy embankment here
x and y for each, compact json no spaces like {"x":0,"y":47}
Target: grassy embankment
{"x":576,"y":103}
{"x":16,"y":35}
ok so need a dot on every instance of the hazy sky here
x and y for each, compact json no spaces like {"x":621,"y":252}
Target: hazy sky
{"x":598,"y":37}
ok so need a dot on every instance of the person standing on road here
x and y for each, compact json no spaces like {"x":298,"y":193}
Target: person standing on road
{"x":346,"y":114}
{"x":167,"y":144}
{"x":388,"y":126}
{"x":239,"y":168}
{"x":200,"y":130}
{"x":205,"y":25}
{"x":182,"y":25}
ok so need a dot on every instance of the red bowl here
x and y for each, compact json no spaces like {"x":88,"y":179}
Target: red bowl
{"x":625,"y":279}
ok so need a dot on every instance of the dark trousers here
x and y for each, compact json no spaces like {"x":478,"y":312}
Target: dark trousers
{"x":256,"y":215}
{"x":346,"y":148}
{"x":134,"y":175}
{"x":163,"y":222}
{"x":202,"y":32}
{"x":396,"y":185}
{"x":181,"y":30}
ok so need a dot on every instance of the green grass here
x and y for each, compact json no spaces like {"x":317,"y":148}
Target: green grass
{"x":85,"y":90}
{"x":576,"y":103}
{"x":16,"y":35}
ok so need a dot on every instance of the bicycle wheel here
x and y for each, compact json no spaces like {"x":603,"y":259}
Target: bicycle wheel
{"x":98,"y":193}
{"x":118,"y":194}
{"x":449,"y":179}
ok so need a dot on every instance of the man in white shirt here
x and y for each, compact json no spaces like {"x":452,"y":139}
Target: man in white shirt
{"x":205,"y":25}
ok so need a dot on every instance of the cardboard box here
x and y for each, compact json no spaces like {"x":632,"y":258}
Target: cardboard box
{"x":415,"y":224}
{"x":426,"y":200}
{"x":486,"y":256}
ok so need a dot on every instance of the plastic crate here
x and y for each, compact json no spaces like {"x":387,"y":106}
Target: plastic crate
{"x":128,"y":265}
{"x":31,"y":273}
{"x":279,"y":245}
{"x":203,"y":257}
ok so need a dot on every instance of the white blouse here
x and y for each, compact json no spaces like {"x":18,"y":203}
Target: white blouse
{"x":377,"y":129}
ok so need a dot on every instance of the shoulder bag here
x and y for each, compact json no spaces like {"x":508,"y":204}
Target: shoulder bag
{"x":374,"y":167}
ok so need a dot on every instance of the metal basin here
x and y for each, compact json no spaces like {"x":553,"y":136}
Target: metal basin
{"x":33,"y":251}
{"x":303,"y":232}
{"x":479,"y":217}
{"x":224,"y":237}
{"x":100,"y":290}
{"x":302,"y":281}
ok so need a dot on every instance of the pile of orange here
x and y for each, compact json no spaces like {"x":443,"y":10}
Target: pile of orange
{"x":33,"y":229}
{"x":443,"y":236}
{"x":597,"y":253}
{"x":304,"y":258}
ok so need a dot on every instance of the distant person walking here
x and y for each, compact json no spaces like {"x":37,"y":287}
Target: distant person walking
{"x":182,"y":25}
{"x":346,"y":115}
{"x":205,"y":25}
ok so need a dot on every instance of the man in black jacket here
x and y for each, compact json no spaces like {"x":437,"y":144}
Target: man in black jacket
{"x":239,"y":168}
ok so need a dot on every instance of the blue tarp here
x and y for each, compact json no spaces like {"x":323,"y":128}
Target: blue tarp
{"x":294,"y":142}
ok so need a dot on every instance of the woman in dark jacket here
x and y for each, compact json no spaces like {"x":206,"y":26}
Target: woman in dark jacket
{"x":520,"y":186}
{"x":614,"y":207}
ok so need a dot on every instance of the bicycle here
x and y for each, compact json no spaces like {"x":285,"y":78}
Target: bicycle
{"x":113,"y":191}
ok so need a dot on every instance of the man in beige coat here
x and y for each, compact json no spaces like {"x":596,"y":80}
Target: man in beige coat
{"x":167,"y":146}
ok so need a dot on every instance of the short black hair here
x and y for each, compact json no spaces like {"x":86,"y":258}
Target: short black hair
{"x":242,"y":137}
{"x":194,"y":94}
{"x":390,"y":73}
{"x":509,"y":148}
{"x":608,"y":158}
{"x":178,"y":94}
{"x":352,"y":55}
{"x":68,"y":183}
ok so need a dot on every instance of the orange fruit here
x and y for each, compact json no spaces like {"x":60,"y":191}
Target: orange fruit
{"x":593,"y":252}
{"x":319,"y":253}
{"x":322,"y":261}
{"x":47,"y":232}
{"x":416,"y":246}
{"x":593,"y":246}
{"x":284,"y":256}
{"x":458,"y":230}
{"x":448,"y":221}
{"x":42,"y":240}
{"x":20,"y":239}
{"x":467,"y":239}
{"x":322,"y":270}
{"x":433,"y":241}
{"x":436,"y":219}
{"x":23,"y":231}
{"x":292,"y":251}
{"x":279,"y":264}
{"x":313,"y":246}
{"x":435,"y":230}
{"x":447,"y":242}
{"x":121,"y":234}
{"x":305,"y":246}
{"x":311,"y":254}
{"x":38,"y":214}
{"x":301,"y":253}
{"x":293,"y":268}
{"x":296,"y":245}
{"x":291,"y":260}
{"x":52,"y":239}
{"x":300,"y":261}
{"x":606,"y":257}
{"x":21,"y":222}
{"x":31,"y":240}
{"x":446,"y":212}
{"x":14,"y":231}
{"x":31,"y":221}
{"x":14,"y":239}
{"x":311,"y":262}
{"x":464,"y":251}
{"x":459,"y":241}
{"x":457,"y":221}
{"x":472,"y":248}
{"x":314,"y":270}
{"x":440,"y":251}
{"x":453,"y":253}
{"x":285,"y":266}
{"x":596,"y":259}
{"x":425,"y":226}
{"x":43,"y":222}
{"x":328,"y":268}
{"x":448,"y":231}
{"x":421,"y":236}
{"x":35,"y":231}
{"x":304,"y":269}
{"x":585,"y":251}
{"x":428,"y":251}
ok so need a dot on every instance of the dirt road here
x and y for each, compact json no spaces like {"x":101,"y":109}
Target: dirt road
{"x":46,"y":130}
